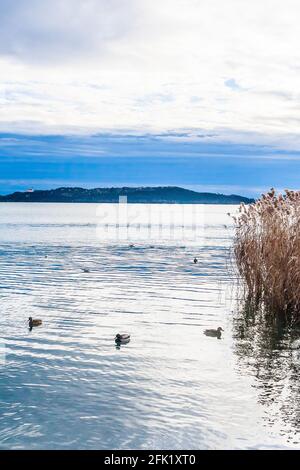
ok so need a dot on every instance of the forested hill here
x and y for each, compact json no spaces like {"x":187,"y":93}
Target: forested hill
{"x":165,"y":194}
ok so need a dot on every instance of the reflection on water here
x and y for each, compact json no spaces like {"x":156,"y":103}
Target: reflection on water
{"x":269,"y":349}
{"x":65,"y":384}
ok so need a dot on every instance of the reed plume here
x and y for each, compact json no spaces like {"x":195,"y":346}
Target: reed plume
{"x":267,"y":252}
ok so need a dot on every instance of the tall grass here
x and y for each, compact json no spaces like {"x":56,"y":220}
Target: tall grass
{"x":267,"y":252}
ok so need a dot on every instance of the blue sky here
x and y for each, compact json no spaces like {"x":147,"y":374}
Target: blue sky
{"x":178,"y":92}
{"x":108,"y":160}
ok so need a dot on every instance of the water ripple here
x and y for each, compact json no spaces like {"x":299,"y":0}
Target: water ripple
{"x":66,"y":385}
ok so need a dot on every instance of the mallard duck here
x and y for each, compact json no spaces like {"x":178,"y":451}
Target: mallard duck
{"x":85,"y":270}
{"x":215,"y":333}
{"x":121,"y":339}
{"x":195,"y":260}
{"x":34,"y":322}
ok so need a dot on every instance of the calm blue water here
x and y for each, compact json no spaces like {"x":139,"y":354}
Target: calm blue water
{"x":65,"y":385}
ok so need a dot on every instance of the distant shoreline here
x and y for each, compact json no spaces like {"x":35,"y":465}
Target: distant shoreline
{"x":131,"y":195}
{"x":129,"y":202}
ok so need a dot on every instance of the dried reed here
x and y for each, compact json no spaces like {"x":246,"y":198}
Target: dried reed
{"x":267,"y":252}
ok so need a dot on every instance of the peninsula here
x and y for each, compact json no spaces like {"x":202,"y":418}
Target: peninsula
{"x":154,"y":195}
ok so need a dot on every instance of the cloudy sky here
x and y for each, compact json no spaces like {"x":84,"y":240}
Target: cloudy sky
{"x":199,"y":93}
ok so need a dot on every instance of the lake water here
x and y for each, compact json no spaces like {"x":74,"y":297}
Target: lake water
{"x":65,"y":384}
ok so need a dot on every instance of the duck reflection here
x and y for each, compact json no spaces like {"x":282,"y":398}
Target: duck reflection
{"x":269,"y":349}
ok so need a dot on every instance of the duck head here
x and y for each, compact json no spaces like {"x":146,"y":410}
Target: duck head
{"x":220,"y":329}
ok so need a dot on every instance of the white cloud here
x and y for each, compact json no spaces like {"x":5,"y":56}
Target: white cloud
{"x":231,"y":68}
{"x":48,"y":31}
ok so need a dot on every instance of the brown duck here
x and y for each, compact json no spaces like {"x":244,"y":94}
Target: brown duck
{"x":214,"y":333}
{"x":34,"y":322}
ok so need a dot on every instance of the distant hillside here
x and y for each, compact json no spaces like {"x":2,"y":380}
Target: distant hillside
{"x":165,"y":194}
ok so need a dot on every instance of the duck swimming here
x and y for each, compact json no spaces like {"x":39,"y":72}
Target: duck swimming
{"x":195,"y":260}
{"x":214,"y":333}
{"x":122,"y":339}
{"x":33,"y":322}
{"x":85,"y":270}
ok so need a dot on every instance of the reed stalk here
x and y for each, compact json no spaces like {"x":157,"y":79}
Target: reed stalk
{"x":267,"y":252}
